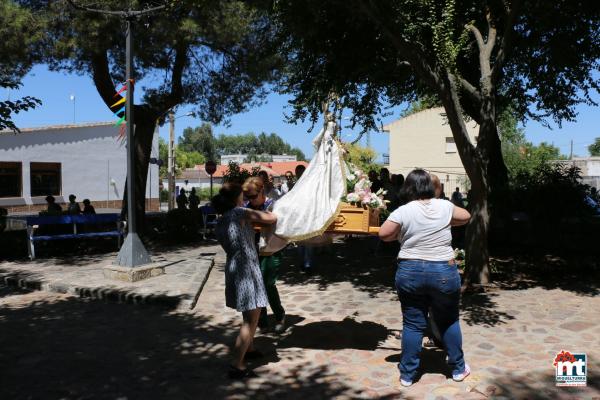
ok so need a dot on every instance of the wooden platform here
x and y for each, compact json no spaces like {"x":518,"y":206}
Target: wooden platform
{"x":356,"y":220}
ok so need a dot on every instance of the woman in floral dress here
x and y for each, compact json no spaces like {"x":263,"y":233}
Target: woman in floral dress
{"x":244,"y":287}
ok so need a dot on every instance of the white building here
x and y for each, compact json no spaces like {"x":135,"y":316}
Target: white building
{"x":589,"y":166}
{"x":242,"y":158}
{"x":87,"y":160}
{"x":424,"y":140}
{"x":236,"y":158}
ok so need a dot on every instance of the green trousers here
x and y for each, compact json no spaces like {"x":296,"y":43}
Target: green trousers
{"x":269,"y":267}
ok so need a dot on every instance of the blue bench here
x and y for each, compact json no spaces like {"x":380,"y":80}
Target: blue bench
{"x":209,"y":218}
{"x":83,"y":220}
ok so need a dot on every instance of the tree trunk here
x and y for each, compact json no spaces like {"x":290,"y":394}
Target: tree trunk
{"x":476,"y":162}
{"x":144,"y":133}
{"x":476,"y":238}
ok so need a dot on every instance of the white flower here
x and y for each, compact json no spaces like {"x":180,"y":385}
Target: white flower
{"x":352,"y":197}
{"x":351,"y":177}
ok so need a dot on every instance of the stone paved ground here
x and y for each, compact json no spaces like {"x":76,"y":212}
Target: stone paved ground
{"x":342,"y":342}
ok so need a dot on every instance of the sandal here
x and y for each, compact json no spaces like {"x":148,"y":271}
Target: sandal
{"x":236,"y":373}
{"x":253,"y":355}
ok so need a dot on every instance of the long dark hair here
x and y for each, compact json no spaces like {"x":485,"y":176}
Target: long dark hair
{"x":417,"y":186}
{"x":227,"y":197}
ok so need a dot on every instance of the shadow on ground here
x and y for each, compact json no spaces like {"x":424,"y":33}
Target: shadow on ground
{"x":433,"y":361}
{"x":336,"y":335}
{"x":540,"y":386}
{"x":480,"y":309}
{"x":70,"y":348}
{"x":352,"y":260}
{"x":577,"y":273}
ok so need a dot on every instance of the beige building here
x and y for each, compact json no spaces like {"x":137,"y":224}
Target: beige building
{"x":424,"y":140}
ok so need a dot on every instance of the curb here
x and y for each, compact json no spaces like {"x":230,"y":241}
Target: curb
{"x":204,"y":280}
{"x":115,"y":295}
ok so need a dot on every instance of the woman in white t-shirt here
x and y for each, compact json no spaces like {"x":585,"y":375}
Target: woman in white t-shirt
{"x":427,"y":275}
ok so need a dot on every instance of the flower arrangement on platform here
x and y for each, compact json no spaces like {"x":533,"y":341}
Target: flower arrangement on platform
{"x":459,"y":257}
{"x":359,"y":191}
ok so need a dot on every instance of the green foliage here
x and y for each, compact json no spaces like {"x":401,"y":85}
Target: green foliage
{"x":183,"y":159}
{"x":445,"y":45}
{"x":362,"y":157}
{"x":201,"y":139}
{"x":424,"y":102}
{"x":549,"y":193}
{"x":187,"y":159}
{"x":164,"y":195}
{"x":594,"y":148}
{"x":204,"y":193}
{"x":520,"y":155}
{"x":212,"y":55}
{"x":21,"y":33}
{"x":236,"y":174}
{"x":163,"y":154}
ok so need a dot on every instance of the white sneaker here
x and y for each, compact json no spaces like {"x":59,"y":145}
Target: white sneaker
{"x":405,"y":383}
{"x":461,"y":377}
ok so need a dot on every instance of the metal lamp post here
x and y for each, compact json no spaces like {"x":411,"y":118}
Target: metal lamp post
{"x":132,"y":252}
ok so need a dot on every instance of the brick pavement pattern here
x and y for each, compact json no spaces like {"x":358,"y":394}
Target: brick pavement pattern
{"x":342,"y":341}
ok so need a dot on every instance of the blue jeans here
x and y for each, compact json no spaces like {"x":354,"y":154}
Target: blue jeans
{"x":421,"y":285}
{"x":306,"y":256}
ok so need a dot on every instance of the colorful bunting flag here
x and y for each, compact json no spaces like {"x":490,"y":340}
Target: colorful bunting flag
{"x":123,"y":99}
{"x":122,"y":110}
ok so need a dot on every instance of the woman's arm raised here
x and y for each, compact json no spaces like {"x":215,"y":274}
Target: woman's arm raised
{"x":261,"y":217}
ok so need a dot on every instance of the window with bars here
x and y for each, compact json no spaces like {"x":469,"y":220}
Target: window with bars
{"x":11,"y":182}
{"x":45,"y":179}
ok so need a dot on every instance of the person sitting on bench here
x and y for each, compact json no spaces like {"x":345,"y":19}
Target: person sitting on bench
{"x":53,"y":208}
{"x":73,"y":208}
{"x":88,"y":208}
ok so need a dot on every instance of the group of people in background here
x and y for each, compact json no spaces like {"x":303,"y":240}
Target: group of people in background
{"x":73,"y":207}
{"x":272,"y":191}
{"x":191,"y":202}
{"x":392,"y":185}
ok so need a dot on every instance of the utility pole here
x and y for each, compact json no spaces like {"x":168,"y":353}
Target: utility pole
{"x":171,"y":164}
{"x":571,"y":154}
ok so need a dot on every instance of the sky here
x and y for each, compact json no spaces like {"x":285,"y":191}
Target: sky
{"x":54,"y":89}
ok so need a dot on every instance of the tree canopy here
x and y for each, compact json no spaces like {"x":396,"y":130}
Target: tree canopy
{"x":21,"y":33}
{"x":201,"y":139}
{"x":594,"y":148}
{"x":183,"y":158}
{"x":362,"y":157}
{"x":362,"y":51}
